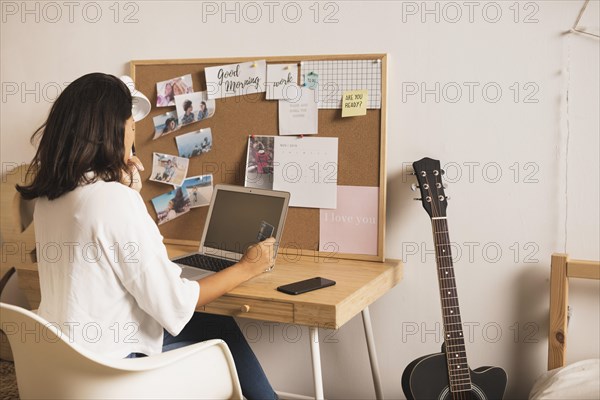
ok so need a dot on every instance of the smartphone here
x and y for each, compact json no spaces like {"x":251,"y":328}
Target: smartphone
{"x":306,"y":285}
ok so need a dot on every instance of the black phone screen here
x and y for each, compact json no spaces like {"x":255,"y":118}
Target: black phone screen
{"x":306,"y":285}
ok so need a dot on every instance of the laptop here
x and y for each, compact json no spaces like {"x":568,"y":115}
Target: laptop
{"x":237,"y":218}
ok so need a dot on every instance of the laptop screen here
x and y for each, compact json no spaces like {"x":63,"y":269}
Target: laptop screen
{"x":239,"y":220}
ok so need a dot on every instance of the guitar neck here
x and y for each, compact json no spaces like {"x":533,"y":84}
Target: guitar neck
{"x":458,"y":369}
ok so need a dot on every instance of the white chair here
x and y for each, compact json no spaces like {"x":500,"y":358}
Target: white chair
{"x":48,"y":366}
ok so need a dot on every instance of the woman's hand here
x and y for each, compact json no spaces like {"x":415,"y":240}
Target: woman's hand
{"x":257,"y":259}
{"x":260,"y":257}
{"x":132,"y":177}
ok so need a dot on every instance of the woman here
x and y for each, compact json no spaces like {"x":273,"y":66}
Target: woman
{"x":168,"y":98}
{"x":108,"y":282}
{"x":180,"y":87}
{"x":203,"y":113}
{"x":170,"y":125}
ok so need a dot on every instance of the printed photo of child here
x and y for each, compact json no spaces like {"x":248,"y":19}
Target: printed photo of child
{"x":259,"y":162}
{"x":171,"y":205}
{"x":169,"y":169}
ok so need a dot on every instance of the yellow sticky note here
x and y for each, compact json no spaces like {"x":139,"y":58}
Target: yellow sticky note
{"x":354,"y":103}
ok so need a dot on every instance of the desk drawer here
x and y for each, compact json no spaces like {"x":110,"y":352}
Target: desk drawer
{"x":276,"y":311}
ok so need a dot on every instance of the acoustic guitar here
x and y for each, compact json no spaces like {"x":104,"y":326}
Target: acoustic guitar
{"x":446,"y":375}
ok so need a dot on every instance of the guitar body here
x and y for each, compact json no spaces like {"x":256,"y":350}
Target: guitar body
{"x":427,"y":378}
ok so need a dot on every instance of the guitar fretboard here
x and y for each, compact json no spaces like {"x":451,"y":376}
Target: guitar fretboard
{"x":458,"y":369}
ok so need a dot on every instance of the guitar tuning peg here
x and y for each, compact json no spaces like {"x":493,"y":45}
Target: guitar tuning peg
{"x":412,"y":173}
{"x":417,"y":199}
{"x":445,"y":185}
{"x":442,"y":171}
{"x":414,"y":187}
{"x":447,"y":198}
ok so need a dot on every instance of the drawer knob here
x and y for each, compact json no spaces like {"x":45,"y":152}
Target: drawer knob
{"x":245,"y":308}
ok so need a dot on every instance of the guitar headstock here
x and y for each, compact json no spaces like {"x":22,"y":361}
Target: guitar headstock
{"x":429,"y":175}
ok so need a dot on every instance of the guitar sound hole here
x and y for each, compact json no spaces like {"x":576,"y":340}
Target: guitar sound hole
{"x":475,"y":394}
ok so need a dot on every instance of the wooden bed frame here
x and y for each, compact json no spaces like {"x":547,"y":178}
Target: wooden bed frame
{"x":562,"y":268}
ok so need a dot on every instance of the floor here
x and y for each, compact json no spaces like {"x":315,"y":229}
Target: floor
{"x":8,"y":381}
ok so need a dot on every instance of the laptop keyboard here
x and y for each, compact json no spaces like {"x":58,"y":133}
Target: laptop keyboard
{"x":205,"y":262}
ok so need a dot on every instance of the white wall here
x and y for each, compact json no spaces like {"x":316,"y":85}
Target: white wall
{"x":535,"y":207}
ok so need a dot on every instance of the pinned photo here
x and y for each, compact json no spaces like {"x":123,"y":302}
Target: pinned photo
{"x":193,"y":107}
{"x":171,"y":205}
{"x":169,"y":169}
{"x":200,"y":189}
{"x":165,"y":124}
{"x":194,"y":143}
{"x":167,"y":90}
{"x":259,"y":162}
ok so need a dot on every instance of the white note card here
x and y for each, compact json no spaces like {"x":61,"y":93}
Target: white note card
{"x":282,"y":81}
{"x":299,"y":115}
{"x":307,"y":168}
{"x":236,"y":79}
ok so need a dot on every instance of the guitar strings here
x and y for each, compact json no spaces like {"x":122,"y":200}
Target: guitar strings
{"x":445,"y":263}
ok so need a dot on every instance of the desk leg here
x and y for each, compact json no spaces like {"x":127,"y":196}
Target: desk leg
{"x":366,"y":316}
{"x":315,"y":353}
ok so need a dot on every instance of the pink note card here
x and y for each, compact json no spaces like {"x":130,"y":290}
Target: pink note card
{"x":352,"y":226}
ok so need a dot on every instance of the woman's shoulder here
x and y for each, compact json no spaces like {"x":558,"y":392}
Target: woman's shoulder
{"x":112,"y":202}
{"x":111,"y":193}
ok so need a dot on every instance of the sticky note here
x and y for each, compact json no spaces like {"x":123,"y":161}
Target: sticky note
{"x":354,"y":103}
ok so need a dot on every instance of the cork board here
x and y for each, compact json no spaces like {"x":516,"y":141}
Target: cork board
{"x":361,"y":148}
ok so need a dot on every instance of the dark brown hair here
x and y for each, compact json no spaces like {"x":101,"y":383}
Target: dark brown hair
{"x":84,"y":132}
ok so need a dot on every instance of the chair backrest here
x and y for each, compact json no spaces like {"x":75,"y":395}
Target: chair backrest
{"x":48,"y":366}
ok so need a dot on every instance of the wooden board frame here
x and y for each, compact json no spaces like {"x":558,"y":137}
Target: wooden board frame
{"x":302,"y":223}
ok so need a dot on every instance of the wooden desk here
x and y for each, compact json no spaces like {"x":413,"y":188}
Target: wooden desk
{"x":358,"y":284}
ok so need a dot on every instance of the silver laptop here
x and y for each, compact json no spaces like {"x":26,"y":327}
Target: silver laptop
{"x":238,"y":217}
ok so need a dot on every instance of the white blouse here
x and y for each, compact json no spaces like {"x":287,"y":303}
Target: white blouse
{"x":105,"y":276}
